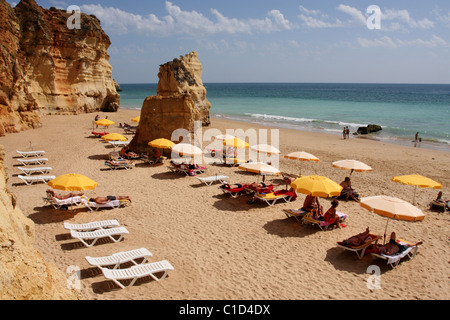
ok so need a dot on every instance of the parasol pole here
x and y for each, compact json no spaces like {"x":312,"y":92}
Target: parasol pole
{"x":414,"y":198}
{"x":385,"y":230}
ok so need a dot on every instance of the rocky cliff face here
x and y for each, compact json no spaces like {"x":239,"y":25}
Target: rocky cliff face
{"x":24,"y":274}
{"x":47,"y":68}
{"x":179,"y":103}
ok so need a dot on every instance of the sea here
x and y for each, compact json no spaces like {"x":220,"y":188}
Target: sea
{"x":401,"y":110}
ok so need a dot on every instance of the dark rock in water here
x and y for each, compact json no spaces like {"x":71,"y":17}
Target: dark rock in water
{"x":369,"y":129}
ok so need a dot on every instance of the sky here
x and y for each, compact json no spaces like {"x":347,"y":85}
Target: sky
{"x":332,"y":41}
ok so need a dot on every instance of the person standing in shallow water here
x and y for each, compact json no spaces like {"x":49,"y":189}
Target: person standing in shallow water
{"x":416,"y":139}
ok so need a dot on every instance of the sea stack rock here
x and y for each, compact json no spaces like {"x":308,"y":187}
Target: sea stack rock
{"x":369,"y":129}
{"x":48,"y":68}
{"x":179,"y":103}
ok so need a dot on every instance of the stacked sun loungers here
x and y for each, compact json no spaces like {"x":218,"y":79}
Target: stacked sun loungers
{"x":114,"y":267}
{"x":32,"y":162}
{"x":26,"y":154}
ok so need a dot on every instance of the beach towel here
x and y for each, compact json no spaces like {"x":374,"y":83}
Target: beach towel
{"x":290,"y":193}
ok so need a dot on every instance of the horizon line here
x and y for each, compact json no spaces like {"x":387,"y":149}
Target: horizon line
{"x":286,"y":82}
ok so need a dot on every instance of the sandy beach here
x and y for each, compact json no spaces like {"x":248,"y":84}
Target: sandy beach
{"x":222,"y":247}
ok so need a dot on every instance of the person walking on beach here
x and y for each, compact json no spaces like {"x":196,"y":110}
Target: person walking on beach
{"x":416,"y":139}
{"x":347,"y":133}
{"x":344,"y":133}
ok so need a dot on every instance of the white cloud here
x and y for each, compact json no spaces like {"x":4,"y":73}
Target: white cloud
{"x":390,"y":19}
{"x":388,"y":42}
{"x":442,"y":17}
{"x":403,"y":17}
{"x":357,"y":17}
{"x":178,"y":21}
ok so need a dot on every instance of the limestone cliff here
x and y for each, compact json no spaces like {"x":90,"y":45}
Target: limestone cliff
{"x":47,"y":68}
{"x":24,"y":274}
{"x":179,"y":103}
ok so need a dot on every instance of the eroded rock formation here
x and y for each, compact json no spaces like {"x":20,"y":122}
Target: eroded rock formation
{"x":180,"y":102}
{"x":47,"y":68}
{"x":24,"y":274}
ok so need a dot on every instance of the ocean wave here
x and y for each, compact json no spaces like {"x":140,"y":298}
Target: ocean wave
{"x":304,"y":120}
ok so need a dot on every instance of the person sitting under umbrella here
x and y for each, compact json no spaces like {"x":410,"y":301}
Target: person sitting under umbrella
{"x":347,"y":190}
{"x":311,"y":204}
{"x":331,"y":217}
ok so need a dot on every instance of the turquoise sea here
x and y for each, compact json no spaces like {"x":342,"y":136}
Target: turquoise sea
{"x":401,"y":109}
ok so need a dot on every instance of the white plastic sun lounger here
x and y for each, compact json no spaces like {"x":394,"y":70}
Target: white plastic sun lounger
{"x":91,"y":225}
{"x":111,"y":204}
{"x":86,"y":236}
{"x":29,"y":180}
{"x":210,"y":180}
{"x":298,"y":214}
{"x":31,"y":170}
{"x":27,"y":154}
{"x":26,"y":162}
{"x":361,"y":249}
{"x":58,"y":203}
{"x":271,"y":198}
{"x":394,"y":260}
{"x":140,"y":271}
{"x":119,"y":258}
{"x":119,"y":143}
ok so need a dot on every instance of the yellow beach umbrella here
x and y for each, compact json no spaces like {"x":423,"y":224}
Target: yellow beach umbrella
{"x":114,"y":137}
{"x":72,"y":182}
{"x":161,"y":143}
{"x":418,"y":181}
{"x":236,"y":143}
{"x":104,"y":122}
{"x":352,"y":165}
{"x":136,"y":119}
{"x":318,"y":186}
{"x":301,"y":156}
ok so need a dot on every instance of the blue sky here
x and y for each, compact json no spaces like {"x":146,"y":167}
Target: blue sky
{"x":277,"y":41}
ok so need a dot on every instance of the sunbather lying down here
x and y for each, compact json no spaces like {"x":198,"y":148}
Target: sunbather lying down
{"x":359,"y":239}
{"x":62,"y":196}
{"x":118,"y":162}
{"x":391,"y":247}
{"x":103,"y":200}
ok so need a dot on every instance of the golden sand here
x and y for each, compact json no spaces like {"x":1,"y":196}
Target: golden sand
{"x":225,"y":248}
